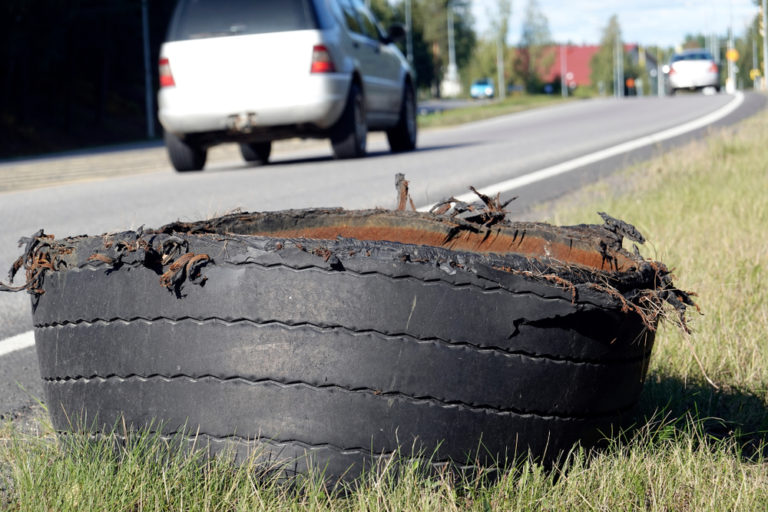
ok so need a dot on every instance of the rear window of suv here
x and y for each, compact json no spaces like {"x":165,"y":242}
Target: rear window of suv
{"x":692,"y":56}
{"x":198,"y":19}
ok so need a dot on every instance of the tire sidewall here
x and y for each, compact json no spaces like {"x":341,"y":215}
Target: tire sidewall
{"x":256,"y":153}
{"x":184,"y":156}
{"x":402,"y":137}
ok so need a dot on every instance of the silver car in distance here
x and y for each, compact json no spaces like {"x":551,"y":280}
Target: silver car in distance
{"x":693,"y":69}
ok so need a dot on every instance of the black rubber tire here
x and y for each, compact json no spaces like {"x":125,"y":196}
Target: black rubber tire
{"x":349,"y":135}
{"x":256,"y":152}
{"x":402,"y":137}
{"x":339,"y":350}
{"x":183,"y":155}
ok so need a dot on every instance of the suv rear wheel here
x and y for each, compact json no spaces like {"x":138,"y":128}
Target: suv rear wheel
{"x":348,"y":137}
{"x":402,"y":136}
{"x":184,"y":155}
{"x":256,"y":152}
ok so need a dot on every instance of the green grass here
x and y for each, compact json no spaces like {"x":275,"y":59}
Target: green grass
{"x":516,"y":103}
{"x":697,"y":447}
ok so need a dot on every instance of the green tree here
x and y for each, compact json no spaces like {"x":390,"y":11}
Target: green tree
{"x":423,"y":64}
{"x":750,"y":48}
{"x":533,"y":56}
{"x":695,"y":41}
{"x":483,"y":62}
{"x":602,"y":63}
{"x":431,"y":16}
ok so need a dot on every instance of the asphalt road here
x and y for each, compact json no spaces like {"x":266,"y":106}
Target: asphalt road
{"x":126,"y":188}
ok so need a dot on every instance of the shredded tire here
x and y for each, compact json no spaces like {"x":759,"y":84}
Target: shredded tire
{"x":331,"y":339}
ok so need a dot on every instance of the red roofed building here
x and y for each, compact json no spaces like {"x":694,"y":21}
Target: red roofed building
{"x":577,"y":64}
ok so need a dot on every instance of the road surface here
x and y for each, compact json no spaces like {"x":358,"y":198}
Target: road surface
{"x":538,"y":155}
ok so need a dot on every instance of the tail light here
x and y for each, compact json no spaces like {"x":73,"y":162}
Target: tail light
{"x":713,"y":68}
{"x":672,"y":69}
{"x":166,"y":77}
{"x":321,"y":60}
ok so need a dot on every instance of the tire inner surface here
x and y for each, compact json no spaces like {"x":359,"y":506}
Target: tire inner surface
{"x":590,"y":246}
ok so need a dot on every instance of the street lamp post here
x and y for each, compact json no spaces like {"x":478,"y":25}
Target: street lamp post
{"x":619,"y":68}
{"x":659,"y":74}
{"x":451,"y":84}
{"x":451,"y":48}
{"x":730,"y":82}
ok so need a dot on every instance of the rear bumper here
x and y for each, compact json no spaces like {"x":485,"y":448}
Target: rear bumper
{"x":319,"y":105}
{"x":481,"y":94}
{"x":694,"y":82}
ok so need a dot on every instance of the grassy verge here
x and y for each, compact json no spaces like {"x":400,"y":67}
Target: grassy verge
{"x":478,"y":112}
{"x":698,"y":447}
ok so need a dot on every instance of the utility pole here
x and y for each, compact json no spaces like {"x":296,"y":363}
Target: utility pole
{"x":409,"y":32}
{"x":563,"y":71}
{"x":730,"y":84}
{"x":755,"y":79}
{"x":615,"y":71}
{"x":659,"y":74}
{"x":765,"y":45}
{"x":148,"y":90}
{"x":619,"y":67}
{"x":500,"y":28}
{"x":451,"y":49}
{"x":500,"y":67}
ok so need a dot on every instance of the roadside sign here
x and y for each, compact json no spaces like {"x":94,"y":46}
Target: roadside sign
{"x":732,"y":55}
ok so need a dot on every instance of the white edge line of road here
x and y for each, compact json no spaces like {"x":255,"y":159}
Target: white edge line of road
{"x":27,"y":339}
{"x":625,"y":147}
{"x":18,"y":342}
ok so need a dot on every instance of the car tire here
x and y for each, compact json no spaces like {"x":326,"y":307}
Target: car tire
{"x":402,"y":136}
{"x":184,"y":155}
{"x":333,"y":353}
{"x":349,"y":135}
{"x":256,"y":152}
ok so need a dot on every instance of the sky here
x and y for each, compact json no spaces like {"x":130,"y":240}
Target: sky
{"x":652,"y":22}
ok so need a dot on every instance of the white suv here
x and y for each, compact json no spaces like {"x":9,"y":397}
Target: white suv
{"x":254,"y":71}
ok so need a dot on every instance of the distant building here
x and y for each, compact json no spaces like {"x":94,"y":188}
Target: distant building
{"x":577,"y":65}
{"x":574,"y":62}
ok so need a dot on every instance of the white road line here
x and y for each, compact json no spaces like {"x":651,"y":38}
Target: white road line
{"x":18,"y":342}
{"x":625,"y":147}
{"x":27,"y":339}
